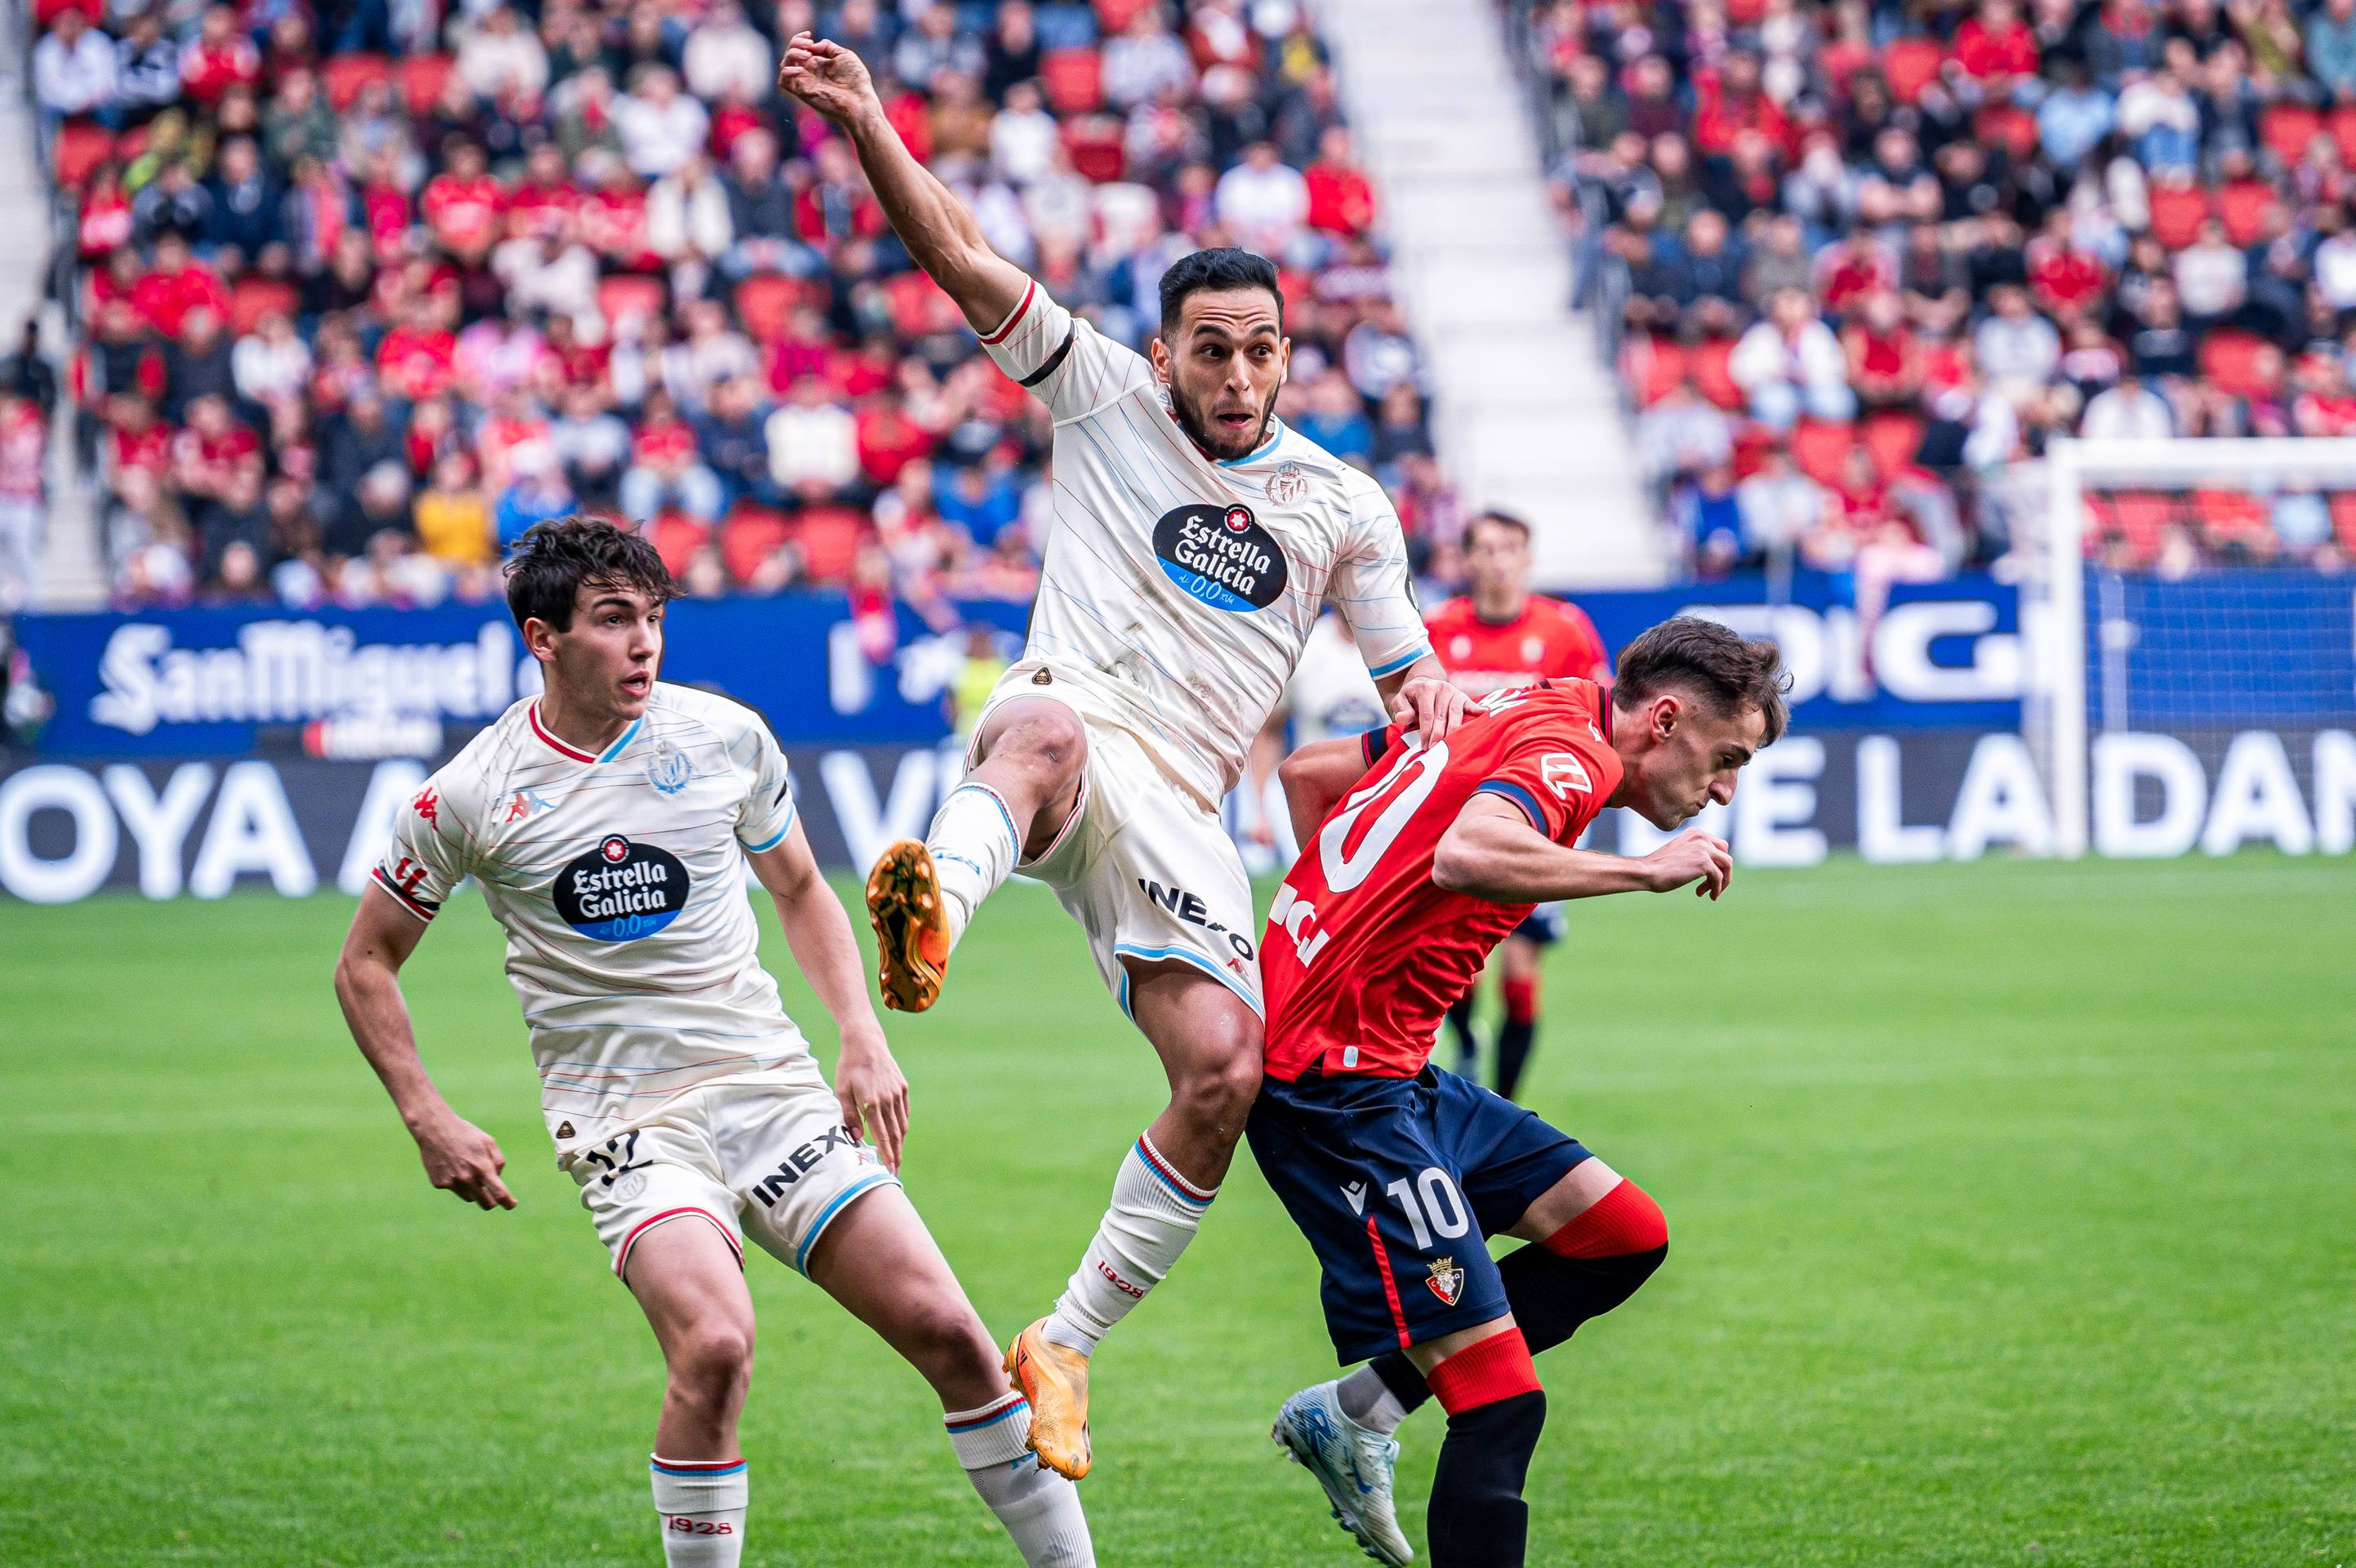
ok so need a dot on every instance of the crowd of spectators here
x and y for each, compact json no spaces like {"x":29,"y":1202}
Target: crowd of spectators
{"x":367,"y":288}
{"x":1868,"y":259}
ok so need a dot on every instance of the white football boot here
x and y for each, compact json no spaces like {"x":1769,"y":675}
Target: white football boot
{"x":1352,"y":1464}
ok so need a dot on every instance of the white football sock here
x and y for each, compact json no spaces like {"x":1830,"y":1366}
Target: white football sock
{"x":1154,"y":1214}
{"x":1367,"y":1399}
{"x":974,"y":847}
{"x":1039,"y":1509}
{"x":701,"y":1504}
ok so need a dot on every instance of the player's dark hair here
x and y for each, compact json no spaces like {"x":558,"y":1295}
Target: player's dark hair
{"x":1727,"y":670}
{"x":555,"y":559}
{"x":1224,"y":268}
{"x":1495,"y":518}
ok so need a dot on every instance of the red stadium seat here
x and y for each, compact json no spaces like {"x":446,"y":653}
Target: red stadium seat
{"x":46,"y":12}
{"x":1652,"y":368}
{"x":2288,"y":128}
{"x":2235,"y":516}
{"x":2232,"y":360}
{"x":1073,"y":81}
{"x":344,"y":76}
{"x":766,"y":301}
{"x":1910,"y":65}
{"x":2143,"y":519}
{"x":423,"y":77}
{"x":2342,"y":123}
{"x":749,"y":536}
{"x":82,"y":145}
{"x":2244,"y":206}
{"x":253,"y":297}
{"x":1093,"y":142}
{"x":621,"y":297}
{"x":2343,"y":518}
{"x":2007,"y":125}
{"x":1892,"y":437}
{"x":1709,"y":365}
{"x":1115,"y":16}
{"x":676,"y":538}
{"x":1820,"y":447}
{"x":2177,"y":211}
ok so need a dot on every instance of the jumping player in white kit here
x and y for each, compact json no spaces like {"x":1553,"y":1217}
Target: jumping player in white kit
{"x":1196,"y":540}
{"x":608,"y":823}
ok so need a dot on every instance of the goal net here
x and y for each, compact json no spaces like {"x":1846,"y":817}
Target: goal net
{"x":2192,"y":646}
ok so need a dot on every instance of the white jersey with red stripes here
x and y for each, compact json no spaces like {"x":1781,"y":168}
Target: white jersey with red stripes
{"x":619,"y":879}
{"x":1180,"y":589}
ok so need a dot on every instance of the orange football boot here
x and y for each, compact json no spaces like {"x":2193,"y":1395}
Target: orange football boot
{"x":912,"y":929}
{"x":1055,"y":1378}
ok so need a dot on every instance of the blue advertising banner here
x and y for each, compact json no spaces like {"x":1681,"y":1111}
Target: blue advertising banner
{"x":198,"y":682}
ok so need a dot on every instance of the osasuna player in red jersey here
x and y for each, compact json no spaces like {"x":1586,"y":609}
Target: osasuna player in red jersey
{"x":1500,"y":635}
{"x":1396,"y":1171}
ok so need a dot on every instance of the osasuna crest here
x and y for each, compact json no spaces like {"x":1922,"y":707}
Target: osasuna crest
{"x":1446,"y":1281}
{"x":1289,"y":485}
{"x":668,"y":769}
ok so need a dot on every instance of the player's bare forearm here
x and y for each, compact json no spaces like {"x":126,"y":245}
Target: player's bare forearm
{"x":869,"y":1083}
{"x":1316,"y":778}
{"x":1492,"y":852}
{"x":940,"y":232}
{"x":459,"y":1158}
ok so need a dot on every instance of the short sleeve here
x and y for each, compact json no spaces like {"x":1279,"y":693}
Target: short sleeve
{"x":1372,"y":590}
{"x":430,"y":851}
{"x":1073,"y":368}
{"x":1560,"y":776}
{"x":767,"y":814}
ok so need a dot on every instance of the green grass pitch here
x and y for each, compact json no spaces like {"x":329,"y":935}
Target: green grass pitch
{"x":2009,"y":1206}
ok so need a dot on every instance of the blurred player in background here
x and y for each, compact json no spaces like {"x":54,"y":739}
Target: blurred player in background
{"x":1195,"y":541}
{"x":608,"y":823}
{"x":1500,"y":634}
{"x":1397,"y":1172}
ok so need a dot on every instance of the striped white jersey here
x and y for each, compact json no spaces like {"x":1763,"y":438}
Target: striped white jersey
{"x":620,"y":881}
{"x":1180,"y":589}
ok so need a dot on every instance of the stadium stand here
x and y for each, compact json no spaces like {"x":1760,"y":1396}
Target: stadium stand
{"x":1863,"y":260}
{"x":365,"y":289}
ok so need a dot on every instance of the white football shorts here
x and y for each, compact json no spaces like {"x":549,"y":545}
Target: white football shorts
{"x":763,"y":1155}
{"x":1143,"y":864}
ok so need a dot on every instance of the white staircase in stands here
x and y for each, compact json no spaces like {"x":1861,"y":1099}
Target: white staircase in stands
{"x":71,"y":576}
{"x":1525,"y":416}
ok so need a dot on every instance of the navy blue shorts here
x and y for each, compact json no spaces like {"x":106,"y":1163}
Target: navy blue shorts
{"x":1543,"y":926}
{"x":1398,"y":1182}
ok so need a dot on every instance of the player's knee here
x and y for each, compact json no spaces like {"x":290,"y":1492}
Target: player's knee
{"x":1623,"y":1223}
{"x":1046,"y":740}
{"x":712,"y":1362}
{"x":943,"y":1341}
{"x":1221,"y":1088}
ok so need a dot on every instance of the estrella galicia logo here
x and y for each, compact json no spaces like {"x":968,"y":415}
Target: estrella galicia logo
{"x":621,"y":891}
{"x":1221,"y":556}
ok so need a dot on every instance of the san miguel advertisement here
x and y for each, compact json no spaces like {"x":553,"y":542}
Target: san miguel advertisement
{"x":191,"y":752}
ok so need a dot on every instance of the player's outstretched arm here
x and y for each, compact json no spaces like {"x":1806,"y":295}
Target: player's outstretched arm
{"x":459,"y":1157}
{"x":867,"y":1082}
{"x":1491,"y":850}
{"x":937,"y":229}
{"x":1316,"y":777}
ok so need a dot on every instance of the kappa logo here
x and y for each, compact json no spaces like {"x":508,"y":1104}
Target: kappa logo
{"x":526,"y":804}
{"x":1356,"y":1191}
{"x":1446,"y":1281}
{"x":428,"y":805}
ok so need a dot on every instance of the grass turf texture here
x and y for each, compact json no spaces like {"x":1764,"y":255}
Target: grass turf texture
{"x":2008,"y":1204}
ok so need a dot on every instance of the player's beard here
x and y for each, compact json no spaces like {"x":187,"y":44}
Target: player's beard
{"x":1199,"y":431}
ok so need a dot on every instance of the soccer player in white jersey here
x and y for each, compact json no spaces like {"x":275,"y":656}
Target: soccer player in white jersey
{"x":608,"y":821}
{"x":1195,"y":541}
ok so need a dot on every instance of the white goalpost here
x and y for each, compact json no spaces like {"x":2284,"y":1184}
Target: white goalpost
{"x":2191,"y":645}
